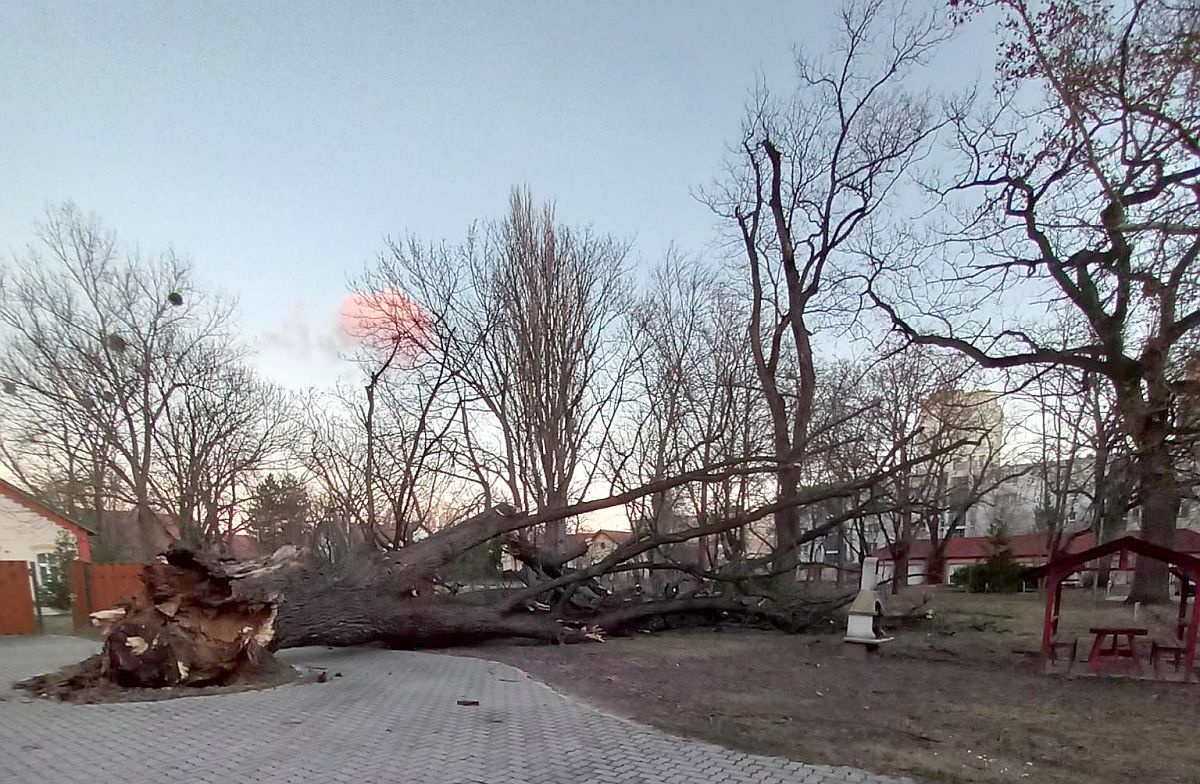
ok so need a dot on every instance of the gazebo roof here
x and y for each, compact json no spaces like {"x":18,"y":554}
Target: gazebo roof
{"x":1065,"y":564}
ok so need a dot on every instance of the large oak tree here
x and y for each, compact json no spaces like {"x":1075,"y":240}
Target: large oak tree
{"x":1078,"y":189}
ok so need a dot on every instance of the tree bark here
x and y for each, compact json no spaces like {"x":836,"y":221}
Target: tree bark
{"x":935,"y":567}
{"x":899,"y":568}
{"x":1160,"y":502}
{"x":340,"y":615}
{"x":787,"y":531}
{"x":1147,"y":422}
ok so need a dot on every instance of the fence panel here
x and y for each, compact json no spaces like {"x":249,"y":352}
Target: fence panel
{"x":101,"y":586}
{"x":16,"y":599}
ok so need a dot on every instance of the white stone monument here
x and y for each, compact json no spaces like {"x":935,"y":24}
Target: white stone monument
{"x":862,"y":626}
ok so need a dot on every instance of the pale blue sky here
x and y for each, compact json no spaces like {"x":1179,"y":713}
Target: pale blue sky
{"x":277,"y":143}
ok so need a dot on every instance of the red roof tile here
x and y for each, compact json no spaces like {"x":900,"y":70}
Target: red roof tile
{"x":971,"y":548}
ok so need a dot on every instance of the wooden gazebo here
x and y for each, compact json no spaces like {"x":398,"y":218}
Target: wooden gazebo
{"x":1184,"y":566}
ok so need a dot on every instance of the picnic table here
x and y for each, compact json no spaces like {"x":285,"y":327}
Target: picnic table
{"x":1114,"y":650}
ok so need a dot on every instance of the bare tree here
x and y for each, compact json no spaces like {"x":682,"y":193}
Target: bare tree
{"x":811,"y":171}
{"x":330,"y":452}
{"x":214,"y":442}
{"x":692,"y":402}
{"x":104,"y":337}
{"x":526,"y":313}
{"x":1078,"y":188}
{"x":901,"y":386}
{"x":410,"y":410}
{"x":1080,"y":448}
{"x":958,"y":478}
{"x":59,"y":453}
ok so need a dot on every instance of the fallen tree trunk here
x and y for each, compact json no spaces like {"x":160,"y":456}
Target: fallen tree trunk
{"x":352,"y":615}
{"x":204,"y":621}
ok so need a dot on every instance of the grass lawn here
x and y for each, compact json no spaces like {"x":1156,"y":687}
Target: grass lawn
{"x":955,"y":699}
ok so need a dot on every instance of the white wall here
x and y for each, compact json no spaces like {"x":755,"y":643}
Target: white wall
{"x":24,"y":534}
{"x":916,"y":571}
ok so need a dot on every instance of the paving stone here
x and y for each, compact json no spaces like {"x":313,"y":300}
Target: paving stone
{"x":392,"y":717}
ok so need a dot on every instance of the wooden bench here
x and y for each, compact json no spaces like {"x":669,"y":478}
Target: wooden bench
{"x":1160,"y":651}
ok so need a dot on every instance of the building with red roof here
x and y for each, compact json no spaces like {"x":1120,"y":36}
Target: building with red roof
{"x":1030,"y":549}
{"x":30,"y":529}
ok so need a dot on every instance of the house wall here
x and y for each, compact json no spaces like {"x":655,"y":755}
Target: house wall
{"x":1015,"y":502}
{"x":599,"y":548}
{"x":957,"y":564}
{"x":24,"y":534}
{"x":916,"y":567}
{"x":916,"y":571}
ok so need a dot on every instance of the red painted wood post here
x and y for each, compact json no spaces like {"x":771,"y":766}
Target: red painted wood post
{"x":1181,"y":624}
{"x":1190,"y":648}
{"x":1047,"y":632}
{"x":87,"y":587}
{"x":1057,"y":602}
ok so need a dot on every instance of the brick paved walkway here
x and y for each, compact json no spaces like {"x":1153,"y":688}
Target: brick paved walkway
{"x":392,"y":717}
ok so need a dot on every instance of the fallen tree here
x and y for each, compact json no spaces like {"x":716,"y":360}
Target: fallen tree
{"x":202,"y":620}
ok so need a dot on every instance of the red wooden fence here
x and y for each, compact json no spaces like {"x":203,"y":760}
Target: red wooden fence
{"x":16,"y":599}
{"x":101,"y":586}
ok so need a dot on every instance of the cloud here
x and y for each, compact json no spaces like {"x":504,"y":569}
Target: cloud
{"x":298,"y":338}
{"x":310,"y":348}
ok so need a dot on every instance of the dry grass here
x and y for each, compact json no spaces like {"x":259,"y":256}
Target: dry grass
{"x":954,"y":699}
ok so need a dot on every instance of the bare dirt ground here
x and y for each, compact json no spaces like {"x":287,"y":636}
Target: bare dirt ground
{"x":955,"y":699}
{"x":83,"y":683}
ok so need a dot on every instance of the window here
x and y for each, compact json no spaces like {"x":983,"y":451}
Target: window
{"x":955,"y":525}
{"x":47,"y":568}
{"x":960,"y":492}
{"x":831,"y":547}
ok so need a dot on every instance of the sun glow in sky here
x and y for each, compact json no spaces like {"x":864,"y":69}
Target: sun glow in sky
{"x":385,"y":319}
